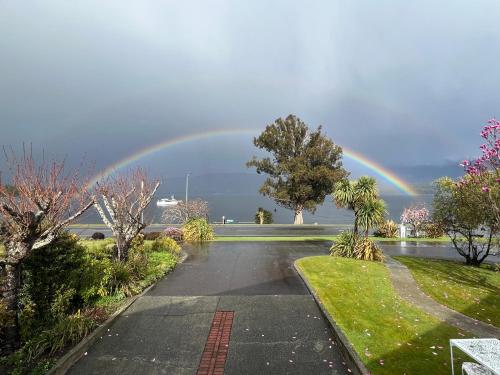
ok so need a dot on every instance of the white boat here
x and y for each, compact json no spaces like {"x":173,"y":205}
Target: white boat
{"x":165,"y":202}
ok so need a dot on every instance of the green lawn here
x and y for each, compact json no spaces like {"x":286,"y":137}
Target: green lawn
{"x":320,"y":238}
{"x":472,"y":291}
{"x":390,"y":335}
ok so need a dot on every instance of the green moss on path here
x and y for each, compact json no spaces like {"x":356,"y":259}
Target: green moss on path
{"x":390,"y":335}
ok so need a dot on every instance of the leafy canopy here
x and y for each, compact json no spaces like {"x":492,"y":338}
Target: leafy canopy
{"x":303,"y":167}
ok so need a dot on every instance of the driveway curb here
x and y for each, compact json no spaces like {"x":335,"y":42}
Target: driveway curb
{"x":354,"y":363}
{"x":70,"y":358}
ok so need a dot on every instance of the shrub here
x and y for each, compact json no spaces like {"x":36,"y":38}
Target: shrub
{"x":197,"y":230}
{"x":67,"y":331}
{"x":52,"y":284}
{"x":174,"y":233}
{"x":166,"y":244}
{"x":264,"y":215}
{"x":98,"y":236}
{"x":344,"y":246}
{"x":433,"y":230}
{"x":151,"y":236}
{"x":350,"y":245}
{"x":388,"y":229}
{"x":366,"y":249}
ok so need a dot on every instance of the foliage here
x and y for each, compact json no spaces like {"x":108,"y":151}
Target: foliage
{"x":263,"y":216}
{"x":98,"y":236}
{"x":182,"y":212}
{"x":462,"y":210}
{"x":390,"y":335}
{"x":345,"y":245}
{"x":197,"y":230}
{"x":415,"y":216}
{"x":432,"y":230}
{"x":473,"y":291}
{"x":69,"y":288}
{"x":366,"y":249}
{"x":351,"y":245}
{"x":303,"y":167}
{"x":53,"y":285}
{"x":45,"y":200}
{"x":388,"y":229}
{"x":485,"y":170}
{"x":166,"y":244}
{"x":151,"y":236}
{"x":174,"y":233}
{"x":362,"y":198}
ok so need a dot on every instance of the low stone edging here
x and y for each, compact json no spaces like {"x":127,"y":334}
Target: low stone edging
{"x":352,"y":358}
{"x":73,"y":355}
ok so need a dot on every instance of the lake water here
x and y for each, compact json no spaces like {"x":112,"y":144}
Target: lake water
{"x":242,"y":208}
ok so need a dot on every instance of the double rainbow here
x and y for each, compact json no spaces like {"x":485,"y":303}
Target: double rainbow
{"x":376,"y":168}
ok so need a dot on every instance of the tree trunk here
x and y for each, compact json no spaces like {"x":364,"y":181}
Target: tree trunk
{"x":10,"y":338}
{"x":472,"y":261}
{"x":298,"y":219}
{"x":356,"y":226}
{"x":122,"y":246}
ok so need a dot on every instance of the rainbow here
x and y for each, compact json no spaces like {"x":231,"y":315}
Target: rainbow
{"x":384,"y":173}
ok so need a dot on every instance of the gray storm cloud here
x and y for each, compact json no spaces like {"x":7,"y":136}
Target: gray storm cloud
{"x":405,"y":83}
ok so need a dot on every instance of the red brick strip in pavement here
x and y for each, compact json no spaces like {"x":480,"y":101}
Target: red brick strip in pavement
{"x":214,"y":355}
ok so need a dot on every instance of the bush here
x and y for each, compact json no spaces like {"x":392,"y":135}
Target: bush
{"x":388,"y":229}
{"x":344,"y":246}
{"x":68,"y":331}
{"x":366,"y":249}
{"x":349,"y":245}
{"x":98,"y":236}
{"x":174,"y":233}
{"x":433,"y":230}
{"x":151,"y":236}
{"x":265,"y":215}
{"x":197,"y":230}
{"x":166,"y":244}
{"x":53,"y":284}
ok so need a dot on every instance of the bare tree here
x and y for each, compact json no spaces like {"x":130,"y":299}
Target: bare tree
{"x":182,"y":212}
{"x":124,"y":198}
{"x":33,"y":213}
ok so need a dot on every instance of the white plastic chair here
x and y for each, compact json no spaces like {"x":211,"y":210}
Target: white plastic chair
{"x":471,"y":368}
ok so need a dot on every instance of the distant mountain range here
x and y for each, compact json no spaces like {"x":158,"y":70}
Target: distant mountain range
{"x":421,"y":177}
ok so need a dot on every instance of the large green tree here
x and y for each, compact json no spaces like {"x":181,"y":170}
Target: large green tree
{"x":303,"y":167}
{"x":467,"y":215}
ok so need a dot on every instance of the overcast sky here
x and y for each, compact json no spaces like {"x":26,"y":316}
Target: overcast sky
{"x":403,"y":82}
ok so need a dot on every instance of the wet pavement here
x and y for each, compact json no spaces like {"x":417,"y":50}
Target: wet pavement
{"x":277,"y":327}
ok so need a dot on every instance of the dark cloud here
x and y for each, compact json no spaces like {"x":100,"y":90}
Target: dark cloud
{"x":406,"y":83}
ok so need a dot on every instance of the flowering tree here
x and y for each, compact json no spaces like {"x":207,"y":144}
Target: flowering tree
{"x":485,"y":170}
{"x":415,"y":216}
{"x":468,"y":209}
{"x":33,"y":213}
{"x":125,"y":197}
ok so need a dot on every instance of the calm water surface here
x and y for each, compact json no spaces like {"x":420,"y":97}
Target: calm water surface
{"x":242,"y":208}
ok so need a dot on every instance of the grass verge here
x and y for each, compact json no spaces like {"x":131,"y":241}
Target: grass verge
{"x":322,"y":238}
{"x":390,"y":335}
{"x":473,"y":291}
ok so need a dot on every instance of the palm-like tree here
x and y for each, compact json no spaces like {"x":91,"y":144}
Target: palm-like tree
{"x":371,"y":213}
{"x":353,"y":195}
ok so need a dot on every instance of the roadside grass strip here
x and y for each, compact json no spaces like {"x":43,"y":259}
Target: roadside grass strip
{"x":473,"y":291}
{"x":390,"y":335}
{"x":226,"y":238}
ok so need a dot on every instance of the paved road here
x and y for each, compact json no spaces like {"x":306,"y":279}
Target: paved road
{"x":277,"y":328}
{"x":237,"y":230}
